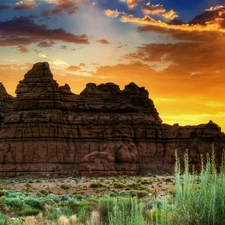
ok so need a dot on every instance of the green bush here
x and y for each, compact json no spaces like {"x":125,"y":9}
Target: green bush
{"x":4,"y":219}
{"x":200,"y":201}
{"x":34,"y":203}
{"x":118,"y":185}
{"x":96,"y":185}
{"x":43,"y":193}
{"x":15,"y":203}
{"x":134,"y":186}
{"x":65,"y":186}
{"x":121,"y":211}
{"x":3,"y":205}
{"x":28,"y":212}
{"x":126,"y":211}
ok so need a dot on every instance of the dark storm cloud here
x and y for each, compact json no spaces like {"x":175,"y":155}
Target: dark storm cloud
{"x":24,"y":31}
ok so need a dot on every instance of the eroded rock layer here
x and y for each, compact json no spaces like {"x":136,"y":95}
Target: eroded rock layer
{"x":103,"y":131}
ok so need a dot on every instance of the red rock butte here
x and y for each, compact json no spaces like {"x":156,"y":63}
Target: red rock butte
{"x":104,"y":131}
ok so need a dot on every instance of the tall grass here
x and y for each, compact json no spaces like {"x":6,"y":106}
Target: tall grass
{"x":199,"y":199}
{"x":121,"y":211}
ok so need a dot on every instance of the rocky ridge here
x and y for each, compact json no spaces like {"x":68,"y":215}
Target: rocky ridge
{"x":103,"y":131}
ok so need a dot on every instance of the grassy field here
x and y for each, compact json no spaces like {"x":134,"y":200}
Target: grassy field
{"x":183,"y":198}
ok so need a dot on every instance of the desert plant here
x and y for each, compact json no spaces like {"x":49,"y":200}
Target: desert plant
{"x":118,"y":185}
{"x":15,"y":203}
{"x":28,"y":212}
{"x":126,"y":211}
{"x":96,"y":185}
{"x":65,"y":186}
{"x":200,"y":202}
{"x":34,"y":203}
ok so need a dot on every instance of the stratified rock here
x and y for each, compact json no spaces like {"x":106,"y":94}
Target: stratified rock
{"x":103,"y":131}
{"x":5,"y":103}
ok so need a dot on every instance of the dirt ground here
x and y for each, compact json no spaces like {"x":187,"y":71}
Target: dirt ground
{"x":155,"y":185}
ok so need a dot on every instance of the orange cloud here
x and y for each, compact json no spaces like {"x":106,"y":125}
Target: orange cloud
{"x":112,"y":13}
{"x":62,"y":7}
{"x":153,"y":9}
{"x":131,"y":3}
{"x":25,"y":5}
{"x":159,"y":10}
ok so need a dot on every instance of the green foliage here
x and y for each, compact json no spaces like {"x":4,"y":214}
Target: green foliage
{"x":15,"y":203}
{"x":200,"y":201}
{"x":126,"y":211}
{"x":43,"y":192}
{"x":65,"y":186}
{"x":154,"y":204}
{"x":118,"y":185}
{"x":4,"y":219}
{"x":28,"y":212}
{"x":134,"y":186}
{"x":96,"y":185}
{"x":2,"y":205}
{"x":34,"y":203}
{"x":2,"y":192}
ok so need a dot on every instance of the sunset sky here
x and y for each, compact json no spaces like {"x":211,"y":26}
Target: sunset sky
{"x":174,"y":48}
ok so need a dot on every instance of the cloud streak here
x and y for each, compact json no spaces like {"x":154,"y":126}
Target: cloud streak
{"x":62,"y":7}
{"x":25,"y":5}
{"x":158,"y":9}
{"x":24,"y":31}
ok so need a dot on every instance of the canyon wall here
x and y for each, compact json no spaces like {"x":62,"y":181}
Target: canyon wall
{"x":103,"y":131}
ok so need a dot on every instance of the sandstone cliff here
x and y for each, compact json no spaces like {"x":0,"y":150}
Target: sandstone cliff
{"x":103,"y":131}
{"x":5,"y":102}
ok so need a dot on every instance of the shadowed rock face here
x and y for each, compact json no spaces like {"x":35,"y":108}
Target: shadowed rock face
{"x":103,"y":131}
{"x":5,"y":103}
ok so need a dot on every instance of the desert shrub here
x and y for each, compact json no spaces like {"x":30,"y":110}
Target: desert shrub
{"x":126,"y":211}
{"x":63,"y":221}
{"x":2,"y":192}
{"x":144,"y":182}
{"x":15,"y":203}
{"x":51,"y":199}
{"x":142,"y":194}
{"x":200,"y":202}
{"x":127,"y":193}
{"x":28,"y":212}
{"x":34,"y":203}
{"x":78,"y":197}
{"x":134,"y":186}
{"x":3,"y":205}
{"x":65,"y":186}
{"x":118,"y":185}
{"x":113,"y":194}
{"x":105,"y":204}
{"x":154,"y":204}
{"x":96,"y":185}
{"x":4,"y":219}
{"x":43,"y":193}
{"x":53,"y":213}
{"x":169,"y":180}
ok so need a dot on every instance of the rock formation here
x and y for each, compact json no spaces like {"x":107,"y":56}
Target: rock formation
{"x":103,"y":131}
{"x":5,"y":103}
